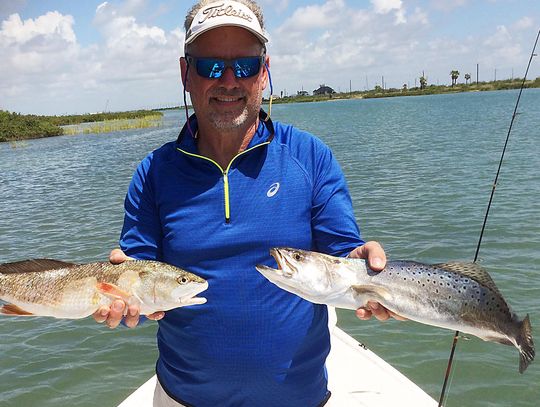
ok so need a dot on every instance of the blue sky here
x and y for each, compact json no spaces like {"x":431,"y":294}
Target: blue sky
{"x":69,"y":56}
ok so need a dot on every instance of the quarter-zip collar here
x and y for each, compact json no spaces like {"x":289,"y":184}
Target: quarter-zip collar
{"x":187,"y":139}
{"x":187,"y":144}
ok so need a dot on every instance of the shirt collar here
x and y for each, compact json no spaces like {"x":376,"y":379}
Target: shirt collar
{"x":187,"y":139}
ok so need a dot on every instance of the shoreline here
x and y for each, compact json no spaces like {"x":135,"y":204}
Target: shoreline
{"x":15,"y":127}
{"x":378,"y":92}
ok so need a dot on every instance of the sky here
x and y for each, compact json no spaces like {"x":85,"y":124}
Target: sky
{"x":74,"y":57}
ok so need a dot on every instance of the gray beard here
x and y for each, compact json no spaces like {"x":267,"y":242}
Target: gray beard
{"x":222,"y":123}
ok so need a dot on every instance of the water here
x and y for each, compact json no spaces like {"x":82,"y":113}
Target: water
{"x":420,"y":171}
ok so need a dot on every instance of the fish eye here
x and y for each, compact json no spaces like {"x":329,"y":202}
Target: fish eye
{"x":182,"y":280}
{"x":297,"y":256}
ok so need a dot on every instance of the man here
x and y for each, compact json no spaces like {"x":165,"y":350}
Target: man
{"x":214,"y":202}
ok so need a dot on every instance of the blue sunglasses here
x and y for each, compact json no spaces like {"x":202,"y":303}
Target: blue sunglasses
{"x":214,"y":68}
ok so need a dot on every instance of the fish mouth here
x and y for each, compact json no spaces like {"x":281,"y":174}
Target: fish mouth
{"x":283,"y":269}
{"x":191,"y":298}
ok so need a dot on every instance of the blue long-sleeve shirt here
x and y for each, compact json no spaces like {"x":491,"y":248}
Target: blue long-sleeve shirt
{"x":251,"y":344}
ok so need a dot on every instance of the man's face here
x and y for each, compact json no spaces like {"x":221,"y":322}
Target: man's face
{"x":228,"y":102}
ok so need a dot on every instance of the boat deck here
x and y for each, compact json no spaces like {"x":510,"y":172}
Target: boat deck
{"x":356,"y":377}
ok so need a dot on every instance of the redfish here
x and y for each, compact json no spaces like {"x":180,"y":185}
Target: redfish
{"x":53,"y":288}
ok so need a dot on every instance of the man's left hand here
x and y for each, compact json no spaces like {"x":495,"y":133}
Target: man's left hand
{"x":376,"y":258}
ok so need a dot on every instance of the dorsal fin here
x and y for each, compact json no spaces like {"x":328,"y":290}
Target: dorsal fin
{"x":34,"y":265}
{"x":471,"y":270}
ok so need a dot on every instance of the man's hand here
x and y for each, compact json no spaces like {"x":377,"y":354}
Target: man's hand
{"x":113,"y":315}
{"x":376,"y":258}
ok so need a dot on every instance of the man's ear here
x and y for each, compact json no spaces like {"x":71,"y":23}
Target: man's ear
{"x":266,"y":72}
{"x":184,"y":68}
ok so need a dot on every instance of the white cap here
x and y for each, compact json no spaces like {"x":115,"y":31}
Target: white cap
{"x":225,"y":13}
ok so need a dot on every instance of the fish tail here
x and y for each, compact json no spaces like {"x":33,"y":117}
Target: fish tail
{"x":525,"y":344}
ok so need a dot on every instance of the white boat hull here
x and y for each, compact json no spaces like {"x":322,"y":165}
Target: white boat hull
{"x":356,"y":377}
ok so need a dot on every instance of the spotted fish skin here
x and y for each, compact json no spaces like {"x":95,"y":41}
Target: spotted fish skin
{"x":456,"y":296}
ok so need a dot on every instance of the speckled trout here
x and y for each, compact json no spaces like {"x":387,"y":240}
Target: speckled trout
{"x":457,"y":296}
{"x":45,"y":287}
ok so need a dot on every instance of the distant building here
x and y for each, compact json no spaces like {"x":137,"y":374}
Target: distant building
{"x":324,"y":90}
{"x":302,"y":93}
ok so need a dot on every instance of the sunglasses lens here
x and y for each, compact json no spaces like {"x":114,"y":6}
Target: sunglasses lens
{"x":210,"y":68}
{"x":247,"y":67}
{"x":213,"y":68}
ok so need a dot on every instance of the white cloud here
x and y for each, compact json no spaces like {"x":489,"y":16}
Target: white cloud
{"x":134,"y":61}
{"x":135,"y":65}
{"x":32,"y":47}
{"x":524,"y":23}
{"x":386,"y":6}
{"x":314,"y":17}
{"x":52,"y":25}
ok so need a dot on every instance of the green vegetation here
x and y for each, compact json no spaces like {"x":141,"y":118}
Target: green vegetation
{"x":15,"y":126}
{"x":424,"y":89}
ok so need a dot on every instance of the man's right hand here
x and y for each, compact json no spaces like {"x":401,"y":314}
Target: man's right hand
{"x":112,"y":316}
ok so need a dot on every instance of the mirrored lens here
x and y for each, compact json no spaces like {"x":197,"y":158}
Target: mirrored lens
{"x":210,"y":68}
{"x":246,"y":67}
{"x":213,"y":68}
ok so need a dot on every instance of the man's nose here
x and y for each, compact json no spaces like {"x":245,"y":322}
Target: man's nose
{"x":228,"y":79}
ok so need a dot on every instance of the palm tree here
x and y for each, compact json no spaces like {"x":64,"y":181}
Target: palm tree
{"x":467,"y":78}
{"x":423,"y":82}
{"x":455,"y":76}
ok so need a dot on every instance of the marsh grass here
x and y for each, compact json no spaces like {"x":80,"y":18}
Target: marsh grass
{"x":15,"y":127}
{"x":109,"y":126}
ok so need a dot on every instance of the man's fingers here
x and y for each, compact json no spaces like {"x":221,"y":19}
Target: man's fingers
{"x":397,"y":317}
{"x":373,"y":252}
{"x":363,"y":314}
{"x":101,"y":314}
{"x":378,"y":311}
{"x":132,"y":316}
{"x":117,"y":256}
{"x":374,"y":309}
{"x":156,"y":316}
{"x":116,"y":313}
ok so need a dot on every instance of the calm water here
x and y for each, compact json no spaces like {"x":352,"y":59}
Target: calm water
{"x":420,"y":171}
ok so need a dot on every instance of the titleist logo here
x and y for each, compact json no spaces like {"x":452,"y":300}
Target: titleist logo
{"x":219,"y":11}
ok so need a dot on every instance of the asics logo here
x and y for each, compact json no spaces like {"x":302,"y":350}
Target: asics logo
{"x":274,"y":188}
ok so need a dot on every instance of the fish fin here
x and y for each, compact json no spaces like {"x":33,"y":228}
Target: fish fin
{"x":373,"y":292}
{"x":33,"y":265}
{"x":113,"y":291}
{"x":525,"y":344}
{"x":471,"y":270}
{"x":13,"y":310}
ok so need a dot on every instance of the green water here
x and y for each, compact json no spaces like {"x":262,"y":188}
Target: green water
{"x":420,"y":171}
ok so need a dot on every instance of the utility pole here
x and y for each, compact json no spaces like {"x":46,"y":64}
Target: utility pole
{"x":477,"y":70}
